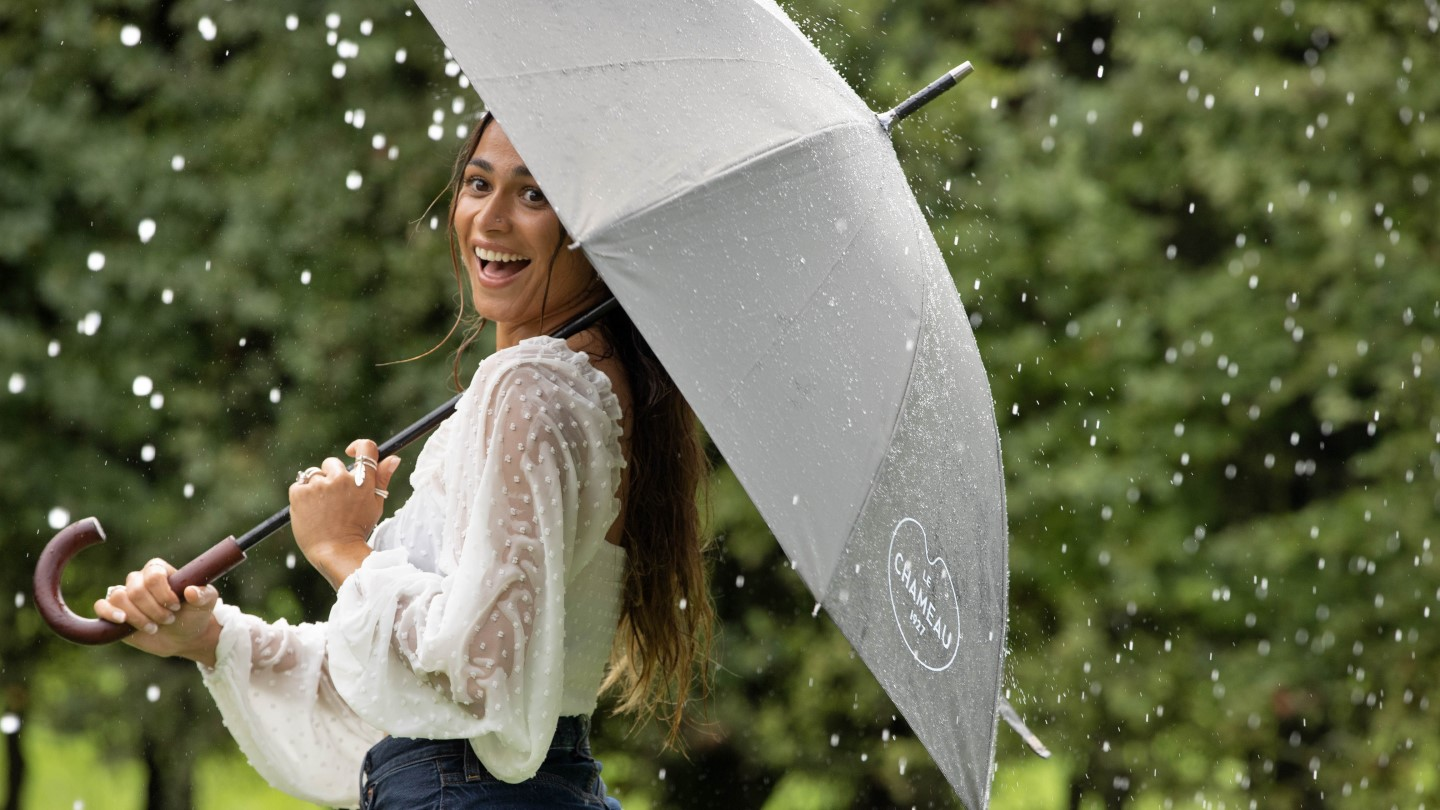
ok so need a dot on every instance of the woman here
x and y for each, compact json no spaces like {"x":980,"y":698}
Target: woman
{"x":553,"y":526}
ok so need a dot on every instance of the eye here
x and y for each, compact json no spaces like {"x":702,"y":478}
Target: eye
{"x":477,"y":184}
{"x":534,"y":196}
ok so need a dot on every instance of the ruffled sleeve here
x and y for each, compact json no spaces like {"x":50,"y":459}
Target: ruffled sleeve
{"x":474,"y":649}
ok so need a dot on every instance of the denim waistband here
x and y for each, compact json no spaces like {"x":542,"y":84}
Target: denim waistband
{"x":571,"y":734}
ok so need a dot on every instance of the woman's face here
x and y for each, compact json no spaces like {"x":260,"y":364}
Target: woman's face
{"x":508,"y":233}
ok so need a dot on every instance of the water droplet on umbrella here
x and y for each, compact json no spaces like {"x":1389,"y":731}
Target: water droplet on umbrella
{"x":59,"y":517}
{"x":207,"y":28}
{"x":152,"y":693}
{"x":147,"y":453}
{"x":142,"y":386}
{"x":95,"y":261}
{"x":17,"y":383}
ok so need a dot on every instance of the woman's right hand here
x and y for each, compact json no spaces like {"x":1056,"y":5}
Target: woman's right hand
{"x":164,"y":625}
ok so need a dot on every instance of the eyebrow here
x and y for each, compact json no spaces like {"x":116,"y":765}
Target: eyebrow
{"x":520,"y":171}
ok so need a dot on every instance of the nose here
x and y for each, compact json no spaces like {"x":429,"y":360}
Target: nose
{"x":493,"y":214}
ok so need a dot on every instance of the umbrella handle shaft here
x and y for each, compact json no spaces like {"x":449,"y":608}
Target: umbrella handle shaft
{"x":221,"y":557}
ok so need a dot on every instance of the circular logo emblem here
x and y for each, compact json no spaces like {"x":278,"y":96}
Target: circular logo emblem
{"x":923,"y":596}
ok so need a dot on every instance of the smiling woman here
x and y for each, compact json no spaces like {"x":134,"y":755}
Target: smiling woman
{"x":551,"y":550}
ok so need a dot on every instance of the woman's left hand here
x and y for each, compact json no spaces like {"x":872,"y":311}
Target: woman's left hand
{"x":333,"y":511}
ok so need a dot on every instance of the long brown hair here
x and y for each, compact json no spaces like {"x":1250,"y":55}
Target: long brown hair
{"x":661,"y":654}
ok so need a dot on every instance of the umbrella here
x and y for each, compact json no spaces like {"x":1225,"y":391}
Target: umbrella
{"x":749,"y":212}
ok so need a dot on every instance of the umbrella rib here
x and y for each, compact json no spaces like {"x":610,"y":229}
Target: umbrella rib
{"x":512,"y":74}
{"x":727,"y":170}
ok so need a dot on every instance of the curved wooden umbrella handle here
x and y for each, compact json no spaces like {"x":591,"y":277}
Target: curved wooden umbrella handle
{"x":71,"y":540}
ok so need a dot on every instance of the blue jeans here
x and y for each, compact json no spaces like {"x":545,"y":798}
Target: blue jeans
{"x":410,"y":774}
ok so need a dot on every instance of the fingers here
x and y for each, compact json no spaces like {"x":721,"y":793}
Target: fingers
{"x":201,"y":597}
{"x":145,"y":601}
{"x":386,"y":472}
{"x":363,"y":448}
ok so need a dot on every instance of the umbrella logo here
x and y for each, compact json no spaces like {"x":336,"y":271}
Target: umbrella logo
{"x":923,"y":596}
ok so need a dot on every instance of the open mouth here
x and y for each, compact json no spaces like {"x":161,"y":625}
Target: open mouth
{"x":497,"y":266}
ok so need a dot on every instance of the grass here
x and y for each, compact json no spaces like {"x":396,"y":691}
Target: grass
{"x":69,"y":773}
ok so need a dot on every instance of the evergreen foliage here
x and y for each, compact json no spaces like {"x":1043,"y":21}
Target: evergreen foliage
{"x":1197,"y":243}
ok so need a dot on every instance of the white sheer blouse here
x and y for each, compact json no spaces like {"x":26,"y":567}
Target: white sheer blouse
{"x":486,"y":611}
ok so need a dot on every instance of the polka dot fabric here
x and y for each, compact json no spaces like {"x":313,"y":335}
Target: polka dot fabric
{"x":486,"y":611}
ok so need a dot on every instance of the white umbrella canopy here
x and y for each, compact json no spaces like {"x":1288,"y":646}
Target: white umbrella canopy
{"x":749,"y":212}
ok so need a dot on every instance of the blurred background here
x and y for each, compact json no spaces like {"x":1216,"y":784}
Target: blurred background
{"x":1197,"y":244}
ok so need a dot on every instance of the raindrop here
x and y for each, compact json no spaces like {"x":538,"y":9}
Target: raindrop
{"x":436,"y":132}
{"x":1137,"y":128}
{"x":188,"y":491}
{"x":290,"y":560}
{"x":147,"y":453}
{"x":353,"y":180}
{"x":95,"y":261}
{"x":740,"y":580}
{"x":346,"y":49}
{"x":400,"y":56}
{"x":146,"y":230}
{"x":1209,"y":101}
{"x":9,"y":723}
{"x":338,"y":70}
{"x":17,"y":383}
{"x":662,"y":774}
{"x":142,"y":386}
{"x":157,"y":401}
{"x":377,"y":142}
{"x":452,"y":69}
{"x":834,"y":740}
{"x":129,"y":36}
{"x":207,"y":28}
{"x":19,"y":599}
{"x":291,"y":22}
{"x":152,"y":693}
{"x":167,"y":296}
{"x":794,"y":500}
{"x":1098,"y":46}
{"x":275,"y":395}
{"x":332,"y":20}
{"x":59,"y":517}
{"x":367,"y":27}
{"x":53,"y":349}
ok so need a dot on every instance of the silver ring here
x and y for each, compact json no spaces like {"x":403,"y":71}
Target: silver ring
{"x":359,"y":472}
{"x":304,"y":476}
{"x":368,"y":462}
{"x":383,"y":493}
{"x":110,"y":591}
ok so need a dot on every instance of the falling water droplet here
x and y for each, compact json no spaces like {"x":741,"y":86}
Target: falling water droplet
{"x":147,"y":453}
{"x":290,"y":560}
{"x":353,"y":181}
{"x":142,"y":386}
{"x":152,"y":693}
{"x":95,"y":261}
{"x":19,"y":599}
{"x":9,"y":723}
{"x":17,"y":383}
{"x":291,"y":22}
{"x":188,"y":491}
{"x":275,"y":395}
{"x":59,"y":517}
{"x":207,"y":28}
{"x":146,"y":230}
{"x":129,"y":36}
{"x":53,"y":349}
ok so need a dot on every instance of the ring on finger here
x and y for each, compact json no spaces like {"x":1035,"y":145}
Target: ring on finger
{"x":383,"y":493}
{"x":304,"y":476}
{"x":114,"y":589}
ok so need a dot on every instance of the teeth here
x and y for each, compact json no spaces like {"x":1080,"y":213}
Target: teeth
{"x":495,"y":256}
